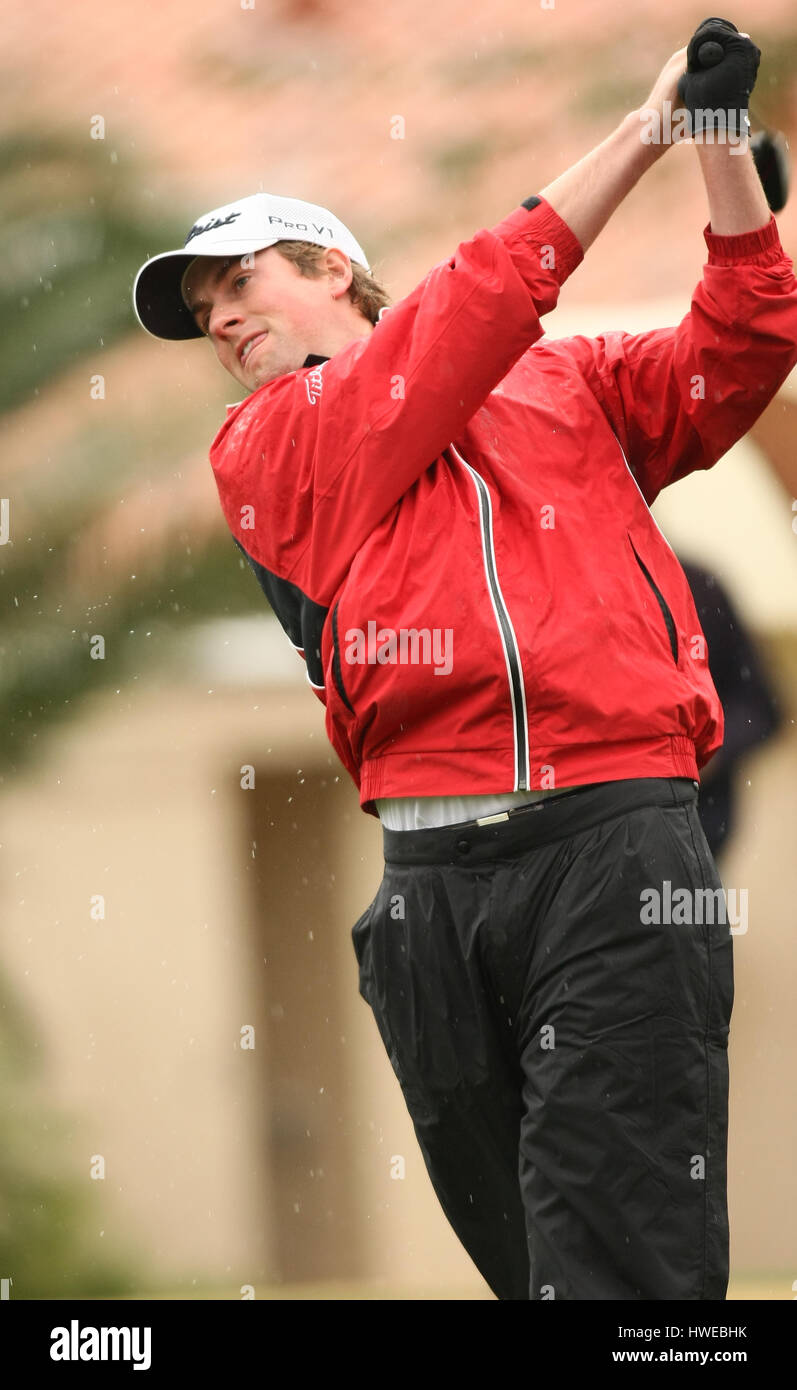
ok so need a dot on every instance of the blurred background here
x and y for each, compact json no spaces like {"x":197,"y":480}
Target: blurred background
{"x":194,"y":1100}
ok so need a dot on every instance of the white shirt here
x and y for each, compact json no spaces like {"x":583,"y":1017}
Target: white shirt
{"x":432,"y":812}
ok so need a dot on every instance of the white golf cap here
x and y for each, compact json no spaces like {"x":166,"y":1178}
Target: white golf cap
{"x":237,"y":229}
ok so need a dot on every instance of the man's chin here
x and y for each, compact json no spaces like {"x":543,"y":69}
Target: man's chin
{"x":261,"y":373}
{"x":264,"y":372}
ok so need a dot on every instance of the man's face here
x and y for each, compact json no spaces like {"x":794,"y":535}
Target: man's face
{"x":261,"y":315}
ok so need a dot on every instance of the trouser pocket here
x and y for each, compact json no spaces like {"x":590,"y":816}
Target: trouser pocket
{"x":361,"y":941}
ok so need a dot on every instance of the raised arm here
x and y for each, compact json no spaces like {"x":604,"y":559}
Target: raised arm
{"x":587,"y":194}
{"x":716,"y":87}
{"x":736,"y":199}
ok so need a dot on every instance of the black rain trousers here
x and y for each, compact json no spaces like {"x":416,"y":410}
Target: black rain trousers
{"x":564,"y":1057}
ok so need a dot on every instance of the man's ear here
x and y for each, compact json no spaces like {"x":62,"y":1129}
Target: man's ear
{"x":339,"y":271}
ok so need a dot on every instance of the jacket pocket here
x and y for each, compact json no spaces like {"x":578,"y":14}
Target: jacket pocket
{"x":337,"y":667}
{"x":669,"y":621}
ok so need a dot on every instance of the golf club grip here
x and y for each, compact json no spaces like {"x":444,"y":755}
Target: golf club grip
{"x":710,"y":53}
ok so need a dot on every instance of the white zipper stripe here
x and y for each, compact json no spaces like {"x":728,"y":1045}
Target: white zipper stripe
{"x":522,"y":778}
{"x":642,"y":495}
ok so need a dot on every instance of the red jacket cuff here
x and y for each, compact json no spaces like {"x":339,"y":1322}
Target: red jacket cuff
{"x":762,"y":246}
{"x":541,"y":227}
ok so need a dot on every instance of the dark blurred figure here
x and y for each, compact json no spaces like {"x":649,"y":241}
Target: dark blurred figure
{"x":750,"y":704}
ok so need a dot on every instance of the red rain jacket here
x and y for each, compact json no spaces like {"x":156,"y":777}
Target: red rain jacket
{"x":450,"y":517}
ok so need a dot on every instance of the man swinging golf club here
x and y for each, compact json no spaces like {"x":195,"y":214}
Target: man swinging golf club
{"x":439,"y":473}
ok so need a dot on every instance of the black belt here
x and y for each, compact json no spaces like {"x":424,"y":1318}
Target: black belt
{"x":539,"y":822}
{"x":529,"y":806}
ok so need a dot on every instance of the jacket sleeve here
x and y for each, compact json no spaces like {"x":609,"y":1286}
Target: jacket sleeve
{"x":321,"y":458}
{"x":678,"y":398}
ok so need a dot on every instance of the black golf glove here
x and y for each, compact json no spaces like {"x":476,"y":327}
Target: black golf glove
{"x":717,"y":97}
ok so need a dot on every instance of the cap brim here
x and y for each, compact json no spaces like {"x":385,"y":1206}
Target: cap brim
{"x":157,"y":299}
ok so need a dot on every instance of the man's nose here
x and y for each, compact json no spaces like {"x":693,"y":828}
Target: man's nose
{"x":223,"y":318}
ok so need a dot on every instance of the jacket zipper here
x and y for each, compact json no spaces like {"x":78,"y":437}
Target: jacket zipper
{"x":665,"y":612}
{"x":514,"y":667}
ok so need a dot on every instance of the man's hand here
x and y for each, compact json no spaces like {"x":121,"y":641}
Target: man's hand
{"x":662,"y":130}
{"x":717,"y":94}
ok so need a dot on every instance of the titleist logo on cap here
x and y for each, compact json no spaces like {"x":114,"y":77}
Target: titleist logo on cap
{"x":200,"y":227}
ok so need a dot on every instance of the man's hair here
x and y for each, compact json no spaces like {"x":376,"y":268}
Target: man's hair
{"x":365,"y":293}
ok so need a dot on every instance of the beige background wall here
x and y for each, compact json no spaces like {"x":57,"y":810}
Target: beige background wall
{"x":140,"y":1014}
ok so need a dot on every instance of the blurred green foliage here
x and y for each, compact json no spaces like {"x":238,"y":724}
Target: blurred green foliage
{"x":773,"y":97}
{"x":73,"y":237}
{"x":458,"y":160}
{"x":70,"y":236}
{"x":503,"y":61}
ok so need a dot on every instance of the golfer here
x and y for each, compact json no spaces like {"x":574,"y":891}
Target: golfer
{"x":449,"y":515}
